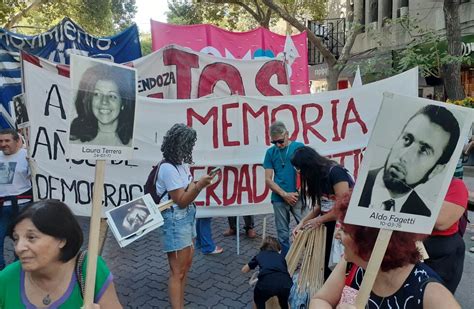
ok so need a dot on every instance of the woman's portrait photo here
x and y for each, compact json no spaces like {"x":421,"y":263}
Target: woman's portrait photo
{"x":21,"y":114}
{"x":104,"y":104}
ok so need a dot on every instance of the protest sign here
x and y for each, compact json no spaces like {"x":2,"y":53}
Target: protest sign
{"x":336,"y":123}
{"x":103,"y":113}
{"x":408,"y":164}
{"x":253,"y":44}
{"x":57,"y":44}
{"x":176,"y":72}
{"x":134,"y":220}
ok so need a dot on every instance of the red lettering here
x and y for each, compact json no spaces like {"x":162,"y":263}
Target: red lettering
{"x":352,"y":108}
{"x":210,"y":189}
{"x":226,"y":125}
{"x":244,"y":184}
{"x":308,"y":126}
{"x":294,"y":114}
{"x":184,"y":62}
{"x":158,"y":95}
{"x":246,"y":109}
{"x":262,"y":79}
{"x":336,"y":137}
{"x":190,"y":113}
{"x":225,"y":190}
{"x":216,"y":72}
{"x":258,"y":198}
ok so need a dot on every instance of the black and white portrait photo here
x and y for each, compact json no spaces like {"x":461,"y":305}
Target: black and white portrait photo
{"x":408,"y":162}
{"x":134,"y":219}
{"x":131,"y":217}
{"x":103,"y":106}
{"x":21,"y":113}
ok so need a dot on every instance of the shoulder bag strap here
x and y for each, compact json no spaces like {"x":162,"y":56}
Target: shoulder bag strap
{"x":78,"y":269}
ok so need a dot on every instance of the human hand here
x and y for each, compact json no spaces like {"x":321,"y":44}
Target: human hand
{"x":204,"y":181}
{"x":469,"y":148}
{"x":313,"y":223}
{"x":297,"y":228}
{"x":291,"y":198}
{"x":92,"y":306}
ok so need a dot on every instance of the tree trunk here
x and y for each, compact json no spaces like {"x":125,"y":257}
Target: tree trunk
{"x":452,"y":71}
{"x":332,"y":78}
{"x":17,"y":17}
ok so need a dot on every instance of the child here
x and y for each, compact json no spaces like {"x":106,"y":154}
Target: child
{"x":273,"y":277}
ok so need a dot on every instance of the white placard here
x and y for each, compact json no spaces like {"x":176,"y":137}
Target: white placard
{"x":134,"y":219}
{"x":408,"y":164}
{"x":103,"y":110}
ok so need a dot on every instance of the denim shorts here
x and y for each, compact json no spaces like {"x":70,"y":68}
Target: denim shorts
{"x":179,"y":228}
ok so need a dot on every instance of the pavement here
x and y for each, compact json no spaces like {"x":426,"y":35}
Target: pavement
{"x":141,"y":269}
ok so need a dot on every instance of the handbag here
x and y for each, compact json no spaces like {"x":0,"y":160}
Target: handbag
{"x":79,"y":274}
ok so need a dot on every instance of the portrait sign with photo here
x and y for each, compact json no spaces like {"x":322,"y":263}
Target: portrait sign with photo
{"x":133,"y":220}
{"x":102,"y":116}
{"x":408,"y":164}
{"x":19,"y":111}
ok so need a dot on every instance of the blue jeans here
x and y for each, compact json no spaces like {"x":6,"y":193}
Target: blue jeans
{"x":282,"y":212}
{"x":7,"y":215}
{"x":204,"y":235}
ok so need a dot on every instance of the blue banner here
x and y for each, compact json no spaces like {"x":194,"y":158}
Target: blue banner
{"x":57,"y":44}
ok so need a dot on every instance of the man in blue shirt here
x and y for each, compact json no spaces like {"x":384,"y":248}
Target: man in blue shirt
{"x":280,"y":177}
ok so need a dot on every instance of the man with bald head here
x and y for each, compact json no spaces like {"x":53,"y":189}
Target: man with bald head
{"x":422,"y":150}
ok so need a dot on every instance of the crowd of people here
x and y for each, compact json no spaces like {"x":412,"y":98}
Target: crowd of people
{"x":313,"y":189}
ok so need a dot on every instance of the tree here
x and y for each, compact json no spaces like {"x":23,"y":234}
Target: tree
{"x":96,"y":17}
{"x":335,"y":66}
{"x":452,"y":69}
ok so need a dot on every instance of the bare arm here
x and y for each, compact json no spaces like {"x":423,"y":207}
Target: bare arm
{"x":289,"y":197}
{"x":110,"y":299}
{"x":183,"y":197}
{"x":330,"y":294}
{"x":449,"y":214}
{"x":436,"y":296}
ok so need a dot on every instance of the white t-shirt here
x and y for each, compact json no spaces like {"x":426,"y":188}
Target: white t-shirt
{"x":15,"y":177}
{"x":172,"y":177}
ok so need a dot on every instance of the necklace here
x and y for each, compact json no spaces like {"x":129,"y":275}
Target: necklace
{"x":286,"y":155}
{"x":47,"y":299}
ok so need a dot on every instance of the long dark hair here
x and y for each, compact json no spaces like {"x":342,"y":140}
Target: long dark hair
{"x":85,"y":127}
{"x":314,"y":171}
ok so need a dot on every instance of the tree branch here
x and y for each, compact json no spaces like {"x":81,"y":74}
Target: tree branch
{"x":328,"y":56}
{"x":16,"y":18}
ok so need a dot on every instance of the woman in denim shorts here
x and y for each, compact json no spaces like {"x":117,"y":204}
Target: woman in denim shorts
{"x":174,"y":182}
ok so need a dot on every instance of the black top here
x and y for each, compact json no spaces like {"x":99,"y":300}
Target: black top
{"x":336,"y":174}
{"x":270,"y":262}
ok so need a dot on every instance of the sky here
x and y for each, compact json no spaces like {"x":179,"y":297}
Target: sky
{"x":150,"y":9}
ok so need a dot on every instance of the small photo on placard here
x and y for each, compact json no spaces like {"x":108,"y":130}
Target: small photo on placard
{"x":102,"y":116}
{"x":408,"y":164}
{"x":134,"y":219}
{"x":20,"y":112}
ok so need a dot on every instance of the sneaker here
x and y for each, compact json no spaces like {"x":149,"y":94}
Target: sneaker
{"x":251,"y":233}
{"x":217,"y":250}
{"x":229,"y":232}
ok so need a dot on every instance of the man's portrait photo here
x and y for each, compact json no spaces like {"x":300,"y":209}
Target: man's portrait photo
{"x":129,"y":218}
{"x":21,"y":114}
{"x":421,"y":151}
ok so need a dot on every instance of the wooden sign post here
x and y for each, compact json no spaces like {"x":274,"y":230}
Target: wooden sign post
{"x":373,"y":267}
{"x":94,"y":232}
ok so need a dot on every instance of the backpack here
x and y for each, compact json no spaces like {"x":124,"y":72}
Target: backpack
{"x":150,"y":184}
{"x":463,"y":223}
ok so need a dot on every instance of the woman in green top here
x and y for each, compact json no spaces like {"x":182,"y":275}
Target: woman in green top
{"x":47,"y":240}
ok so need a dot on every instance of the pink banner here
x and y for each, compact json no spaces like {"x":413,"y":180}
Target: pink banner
{"x":253,"y":44}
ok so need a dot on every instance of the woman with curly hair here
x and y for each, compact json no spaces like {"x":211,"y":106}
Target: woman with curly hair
{"x":402,"y":281}
{"x":175,"y":182}
{"x":105,"y":106}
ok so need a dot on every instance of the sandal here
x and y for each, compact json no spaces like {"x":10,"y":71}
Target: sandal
{"x":217,"y":250}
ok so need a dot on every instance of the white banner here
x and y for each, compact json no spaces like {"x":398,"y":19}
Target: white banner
{"x":234,"y":137}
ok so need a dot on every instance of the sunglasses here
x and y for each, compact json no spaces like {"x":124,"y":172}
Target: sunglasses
{"x":278,"y":141}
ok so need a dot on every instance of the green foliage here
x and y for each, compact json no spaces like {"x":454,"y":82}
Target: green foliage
{"x":99,"y":17}
{"x":425,"y":49}
{"x":145,"y":43}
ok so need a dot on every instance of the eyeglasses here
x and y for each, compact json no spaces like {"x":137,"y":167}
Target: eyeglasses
{"x":278,"y":141}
